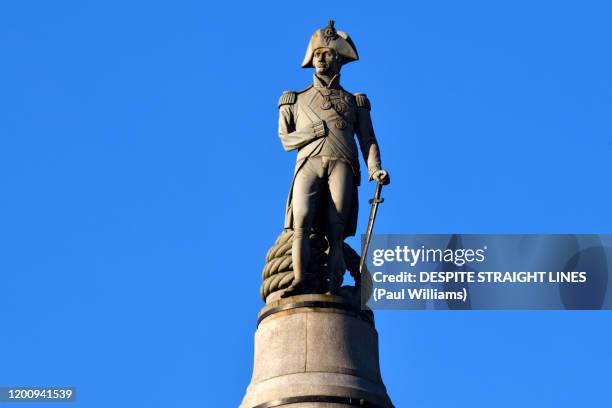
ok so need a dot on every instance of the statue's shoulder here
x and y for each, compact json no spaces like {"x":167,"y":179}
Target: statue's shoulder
{"x":291,"y":97}
{"x":362,"y":101}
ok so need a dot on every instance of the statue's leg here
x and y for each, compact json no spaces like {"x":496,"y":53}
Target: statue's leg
{"x":340,"y":180}
{"x":304,"y":200}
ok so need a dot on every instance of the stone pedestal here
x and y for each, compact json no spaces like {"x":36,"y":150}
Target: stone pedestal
{"x":315,"y":351}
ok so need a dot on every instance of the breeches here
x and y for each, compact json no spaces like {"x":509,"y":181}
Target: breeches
{"x":322,"y":185}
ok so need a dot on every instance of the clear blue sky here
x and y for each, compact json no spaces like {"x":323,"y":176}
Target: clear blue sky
{"x":142,"y":182}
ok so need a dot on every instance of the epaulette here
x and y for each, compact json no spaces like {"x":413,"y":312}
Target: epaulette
{"x":362,"y":101}
{"x":287,"y":98}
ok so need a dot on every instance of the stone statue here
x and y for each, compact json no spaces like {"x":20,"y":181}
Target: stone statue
{"x":316,"y":343}
{"x":321,"y":122}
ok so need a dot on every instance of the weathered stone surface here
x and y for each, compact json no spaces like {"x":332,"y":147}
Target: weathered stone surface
{"x":329,"y":350}
{"x":282,"y":354}
{"x":342,"y":344}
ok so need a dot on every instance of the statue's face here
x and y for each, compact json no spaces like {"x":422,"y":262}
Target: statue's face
{"x":326,"y":61}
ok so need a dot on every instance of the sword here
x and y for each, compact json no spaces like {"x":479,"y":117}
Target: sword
{"x":366,"y":243}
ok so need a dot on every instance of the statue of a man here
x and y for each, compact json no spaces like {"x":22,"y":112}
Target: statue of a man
{"x":321,"y":122}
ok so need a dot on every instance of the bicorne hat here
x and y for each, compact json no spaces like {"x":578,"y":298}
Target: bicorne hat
{"x":330,"y":38}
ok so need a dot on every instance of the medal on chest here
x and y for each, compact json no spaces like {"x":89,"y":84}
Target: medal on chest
{"x":333,"y":98}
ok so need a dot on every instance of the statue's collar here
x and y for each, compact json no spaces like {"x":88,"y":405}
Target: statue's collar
{"x":333,"y":84}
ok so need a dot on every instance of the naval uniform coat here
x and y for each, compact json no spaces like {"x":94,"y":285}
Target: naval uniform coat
{"x":322,"y":121}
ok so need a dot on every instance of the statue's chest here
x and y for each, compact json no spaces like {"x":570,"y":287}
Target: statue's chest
{"x":336,"y":106}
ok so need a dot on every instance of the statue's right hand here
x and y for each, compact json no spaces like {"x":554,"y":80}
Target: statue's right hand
{"x":319,"y":128}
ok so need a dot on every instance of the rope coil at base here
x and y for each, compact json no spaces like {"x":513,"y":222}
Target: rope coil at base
{"x":277,"y":273}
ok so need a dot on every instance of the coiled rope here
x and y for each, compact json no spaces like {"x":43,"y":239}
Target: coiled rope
{"x":277,"y":273}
